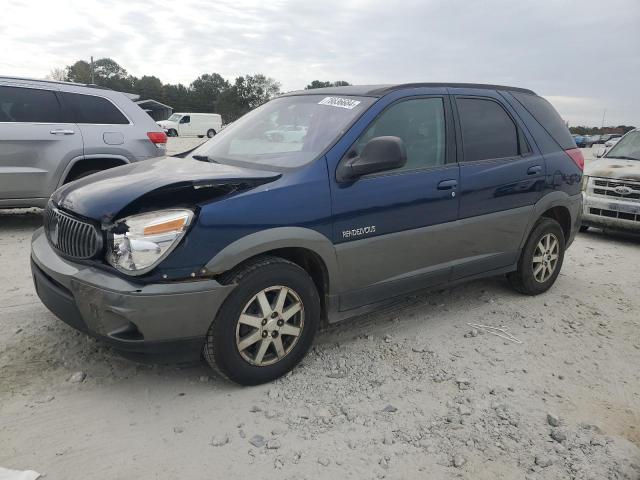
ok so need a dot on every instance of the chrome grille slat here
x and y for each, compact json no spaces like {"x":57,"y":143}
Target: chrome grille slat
{"x":70,"y":235}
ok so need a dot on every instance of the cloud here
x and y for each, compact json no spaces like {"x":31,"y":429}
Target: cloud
{"x":560,"y":50}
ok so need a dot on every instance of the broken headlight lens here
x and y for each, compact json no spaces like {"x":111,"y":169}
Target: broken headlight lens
{"x":140,"y":242}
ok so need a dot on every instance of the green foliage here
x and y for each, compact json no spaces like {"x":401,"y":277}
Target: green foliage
{"x":321,"y":84}
{"x":208,"y":93}
{"x":582,"y":130}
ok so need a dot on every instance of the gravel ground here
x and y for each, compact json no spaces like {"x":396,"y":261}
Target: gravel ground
{"x":411,"y":391}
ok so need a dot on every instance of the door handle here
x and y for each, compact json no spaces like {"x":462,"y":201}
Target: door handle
{"x":447,"y":184}
{"x":534,"y":170}
{"x":62,"y":132}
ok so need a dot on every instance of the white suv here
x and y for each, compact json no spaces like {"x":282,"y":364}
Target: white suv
{"x":612,"y":187}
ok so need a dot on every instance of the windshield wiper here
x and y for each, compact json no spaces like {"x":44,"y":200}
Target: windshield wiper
{"x":203,"y":158}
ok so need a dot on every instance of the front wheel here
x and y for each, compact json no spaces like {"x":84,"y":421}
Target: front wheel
{"x":541,"y":259}
{"x":172,"y":132}
{"x":266,"y":325}
{"x":211,"y":133}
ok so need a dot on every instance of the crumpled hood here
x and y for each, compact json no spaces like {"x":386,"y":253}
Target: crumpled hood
{"x":104,"y":195}
{"x":614,"y":168}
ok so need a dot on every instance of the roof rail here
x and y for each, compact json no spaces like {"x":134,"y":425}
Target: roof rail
{"x":44,"y":80}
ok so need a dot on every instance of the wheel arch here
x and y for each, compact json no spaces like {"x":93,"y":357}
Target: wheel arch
{"x":102,"y":162}
{"x":560,"y":206}
{"x":307,"y":248}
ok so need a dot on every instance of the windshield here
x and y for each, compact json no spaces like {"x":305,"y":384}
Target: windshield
{"x":628,"y":147}
{"x":286,"y":132}
{"x":174,"y":118}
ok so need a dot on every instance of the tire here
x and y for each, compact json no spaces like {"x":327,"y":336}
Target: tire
{"x":532,"y":281}
{"x":211,"y":133}
{"x":584,"y":228}
{"x":172,"y":132}
{"x":222,"y":349}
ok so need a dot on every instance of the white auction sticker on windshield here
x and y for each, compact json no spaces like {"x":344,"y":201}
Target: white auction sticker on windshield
{"x":339,"y":102}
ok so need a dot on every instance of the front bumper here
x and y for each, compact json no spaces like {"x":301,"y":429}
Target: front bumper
{"x":610,"y":213}
{"x":164,"y":320}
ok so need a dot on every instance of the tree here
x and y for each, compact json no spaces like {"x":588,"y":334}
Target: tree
{"x":58,"y":74}
{"x":248,"y":92}
{"x":79,"y":72}
{"x":206,"y":90}
{"x":148,"y":87}
{"x":321,"y":84}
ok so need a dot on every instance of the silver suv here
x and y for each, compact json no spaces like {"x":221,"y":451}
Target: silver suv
{"x":52,"y":133}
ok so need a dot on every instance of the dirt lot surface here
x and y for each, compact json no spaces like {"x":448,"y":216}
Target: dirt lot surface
{"x":411,"y":391}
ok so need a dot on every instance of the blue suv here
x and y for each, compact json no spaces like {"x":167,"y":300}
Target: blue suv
{"x":315,"y":207}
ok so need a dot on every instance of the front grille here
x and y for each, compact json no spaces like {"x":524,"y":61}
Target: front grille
{"x":70,"y":235}
{"x":614,"y":214}
{"x":607,"y":188}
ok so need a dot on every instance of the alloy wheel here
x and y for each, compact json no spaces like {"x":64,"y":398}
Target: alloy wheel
{"x":545,"y":257}
{"x":270,"y":325}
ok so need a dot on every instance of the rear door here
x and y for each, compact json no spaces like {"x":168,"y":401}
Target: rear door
{"x":35,"y":142}
{"x":501,"y":178}
{"x":393,"y":229}
{"x":105,"y":128}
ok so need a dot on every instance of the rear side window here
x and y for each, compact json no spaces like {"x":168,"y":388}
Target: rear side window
{"x":547,"y":116}
{"x":29,"y":105}
{"x":92,"y":109}
{"x":487,"y":130}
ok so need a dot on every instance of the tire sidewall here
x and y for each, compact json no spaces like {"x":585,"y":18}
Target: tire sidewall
{"x":544,"y":227}
{"x":223,"y":330}
{"x":211,"y":131}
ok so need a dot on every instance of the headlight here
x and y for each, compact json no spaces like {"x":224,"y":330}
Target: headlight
{"x":585,"y":181}
{"x":140,"y":242}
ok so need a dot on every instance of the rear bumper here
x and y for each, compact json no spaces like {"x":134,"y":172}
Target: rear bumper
{"x":611,"y":213}
{"x":166,"y":322}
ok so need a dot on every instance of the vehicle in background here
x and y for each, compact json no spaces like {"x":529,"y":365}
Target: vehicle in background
{"x":612,"y":141}
{"x":187,"y":124}
{"x":315,"y":207}
{"x":52,"y":133}
{"x":611,"y":187}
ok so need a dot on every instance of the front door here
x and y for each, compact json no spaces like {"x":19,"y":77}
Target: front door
{"x":35,"y":142}
{"x":392,"y":229}
{"x":501,"y":178}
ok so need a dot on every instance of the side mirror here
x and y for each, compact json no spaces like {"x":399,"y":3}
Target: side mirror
{"x":601,"y":151}
{"x":378,"y":155}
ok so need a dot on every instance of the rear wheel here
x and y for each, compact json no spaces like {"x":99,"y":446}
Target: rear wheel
{"x":266,"y":325}
{"x":211,"y":133}
{"x":541,"y":259}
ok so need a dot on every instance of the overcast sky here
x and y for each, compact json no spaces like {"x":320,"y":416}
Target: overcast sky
{"x":583,"y":55}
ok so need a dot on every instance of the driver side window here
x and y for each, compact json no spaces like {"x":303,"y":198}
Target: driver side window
{"x":420,"y":123}
{"x":185,"y":119}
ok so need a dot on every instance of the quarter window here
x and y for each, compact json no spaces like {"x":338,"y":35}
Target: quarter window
{"x":92,"y":109}
{"x":29,"y":105}
{"x":487,"y":130}
{"x":420,"y":123}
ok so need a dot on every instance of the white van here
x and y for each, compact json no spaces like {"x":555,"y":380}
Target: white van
{"x":189,"y":124}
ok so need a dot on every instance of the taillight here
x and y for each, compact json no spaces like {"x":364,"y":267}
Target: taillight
{"x":576,"y":156}
{"x":158,"y":138}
